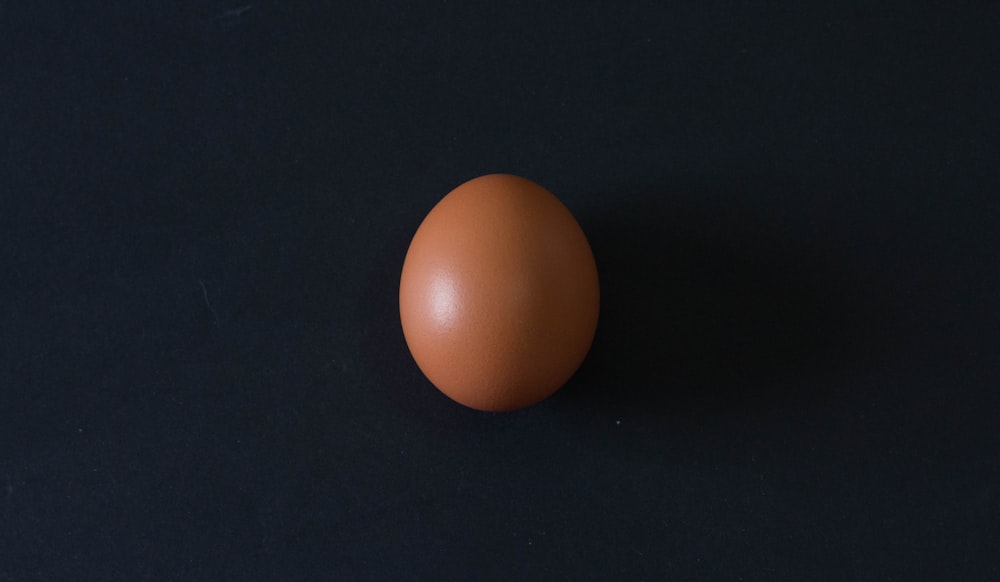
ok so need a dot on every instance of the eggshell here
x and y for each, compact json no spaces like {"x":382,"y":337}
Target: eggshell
{"x":499,"y":294}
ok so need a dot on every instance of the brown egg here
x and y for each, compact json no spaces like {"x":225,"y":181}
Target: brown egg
{"x":499,"y":294}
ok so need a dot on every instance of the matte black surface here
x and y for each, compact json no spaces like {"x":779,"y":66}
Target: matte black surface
{"x":204,"y":210}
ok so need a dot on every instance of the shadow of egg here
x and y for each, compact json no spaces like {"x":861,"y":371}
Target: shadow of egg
{"x":711,"y":303}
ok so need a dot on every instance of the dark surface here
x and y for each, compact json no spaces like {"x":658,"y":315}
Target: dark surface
{"x":204,"y":212}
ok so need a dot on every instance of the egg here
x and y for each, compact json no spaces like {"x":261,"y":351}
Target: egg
{"x":499,"y":294}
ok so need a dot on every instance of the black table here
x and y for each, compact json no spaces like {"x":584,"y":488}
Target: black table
{"x":205,"y":208}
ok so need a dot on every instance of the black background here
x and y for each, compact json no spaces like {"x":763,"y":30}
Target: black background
{"x":204,"y":211}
